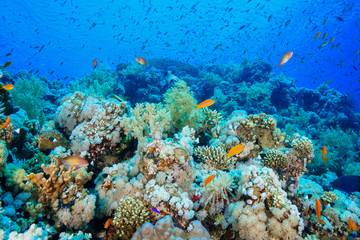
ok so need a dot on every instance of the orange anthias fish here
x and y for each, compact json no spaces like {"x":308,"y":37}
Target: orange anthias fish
{"x":285,"y":58}
{"x":235,"y":150}
{"x":352,"y":226}
{"x":332,"y":39}
{"x":318,"y":211}
{"x":324,"y":36}
{"x":205,"y":104}
{"x":141,"y":61}
{"x":323,"y":151}
{"x":209,"y":179}
{"x":95,"y":64}
{"x":74,"y":161}
{"x":7,"y":64}
{"x":8,"y":87}
{"x":107,"y":223}
{"x":317,"y":35}
{"x":7,"y":121}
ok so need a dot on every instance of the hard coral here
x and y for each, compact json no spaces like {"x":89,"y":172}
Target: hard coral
{"x":215,"y":156}
{"x":59,"y":185}
{"x":47,"y":140}
{"x":274,"y":159}
{"x":261,"y":130}
{"x":131,"y":213}
{"x":165,"y":229}
{"x":329,"y":197}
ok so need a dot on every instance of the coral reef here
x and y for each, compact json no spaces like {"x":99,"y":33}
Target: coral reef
{"x":130,"y":214}
{"x":165,"y":229}
{"x":215,"y":156}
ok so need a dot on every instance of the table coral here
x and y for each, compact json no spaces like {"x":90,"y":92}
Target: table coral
{"x":131,"y":213}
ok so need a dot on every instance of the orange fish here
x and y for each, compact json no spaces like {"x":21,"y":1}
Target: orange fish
{"x":331,"y":40}
{"x":209,"y":179}
{"x":8,"y":87}
{"x":95,"y":64}
{"x":317,"y":35}
{"x":7,"y":121}
{"x":324,"y":36}
{"x":141,"y":61}
{"x":350,"y":225}
{"x":235,"y":150}
{"x":307,"y":211}
{"x":205,"y":104}
{"x":323,"y":154}
{"x":107,"y":223}
{"x":285,"y":58}
{"x":74,"y":161}
{"x":318,"y":211}
{"x":7,"y":64}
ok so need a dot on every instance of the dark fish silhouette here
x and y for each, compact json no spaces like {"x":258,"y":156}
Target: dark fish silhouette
{"x":350,"y":183}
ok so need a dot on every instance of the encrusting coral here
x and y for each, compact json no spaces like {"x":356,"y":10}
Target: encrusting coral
{"x":131,"y":213}
{"x":47,"y":140}
{"x":165,"y":229}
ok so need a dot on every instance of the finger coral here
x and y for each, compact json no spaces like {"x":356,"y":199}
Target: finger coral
{"x":131,"y":213}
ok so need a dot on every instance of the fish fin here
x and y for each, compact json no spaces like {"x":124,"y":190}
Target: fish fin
{"x":197,"y":107}
{"x":279,"y":64}
{"x":322,"y":221}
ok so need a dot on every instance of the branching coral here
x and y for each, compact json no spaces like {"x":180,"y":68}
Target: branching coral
{"x":59,"y":184}
{"x":211,"y":119}
{"x":215,"y":156}
{"x":274,"y":159}
{"x":329,"y":197}
{"x":131,"y":213}
{"x":147,"y":120}
{"x":3,"y":154}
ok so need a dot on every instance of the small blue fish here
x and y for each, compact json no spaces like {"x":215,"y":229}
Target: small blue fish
{"x":155,"y":210}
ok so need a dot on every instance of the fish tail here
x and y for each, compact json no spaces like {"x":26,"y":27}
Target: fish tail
{"x":322,"y":221}
{"x":197,"y":107}
{"x":279,"y":64}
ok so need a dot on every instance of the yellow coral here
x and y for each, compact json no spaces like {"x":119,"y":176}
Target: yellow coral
{"x":329,"y":197}
{"x":274,"y":159}
{"x":303,"y":147}
{"x":215,"y":156}
{"x":130,"y":214}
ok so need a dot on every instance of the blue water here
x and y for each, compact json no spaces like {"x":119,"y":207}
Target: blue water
{"x":73,"y":33}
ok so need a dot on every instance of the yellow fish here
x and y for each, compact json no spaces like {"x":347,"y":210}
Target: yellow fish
{"x":209,"y":179}
{"x":205,"y":104}
{"x":235,"y":150}
{"x":285,"y":58}
{"x":8,"y":87}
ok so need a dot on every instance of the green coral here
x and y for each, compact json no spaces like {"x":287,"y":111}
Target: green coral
{"x":100,"y":82}
{"x":254,"y":94}
{"x":28,"y":94}
{"x":180,"y":102}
